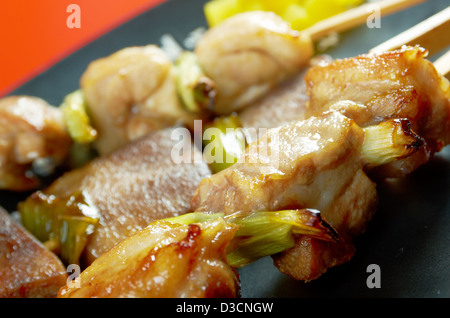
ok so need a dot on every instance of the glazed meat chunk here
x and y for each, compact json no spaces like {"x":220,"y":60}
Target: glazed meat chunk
{"x":27,"y":268}
{"x":119,"y":193}
{"x":164,"y":260}
{"x":395,"y":84}
{"x":32,"y":132}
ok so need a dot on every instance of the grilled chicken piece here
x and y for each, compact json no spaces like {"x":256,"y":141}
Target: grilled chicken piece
{"x":292,"y":166}
{"x":129,"y":188}
{"x":130,"y":93}
{"x":27,"y":268}
{"x":395,"y":84}
{"x":163,"y":260}
{"x":32,"y":135}
{"x":195,"y":254}
{"x":248,"y":54}
{"x":317,"y":163}
{"x":314,"y":163}
{"x":377,"y":87}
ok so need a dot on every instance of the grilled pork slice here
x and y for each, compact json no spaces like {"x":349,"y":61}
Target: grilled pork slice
{"x":194,"y":254}
{"x":114,"y":196}
{"x":317,"y":163}
{"x":32,"y":132}
{"x":395,"y":84}
{"x":304,"y":164}
{"x":163,"y":260}
{"x":27,"y":268}
{"x":312,"y":163}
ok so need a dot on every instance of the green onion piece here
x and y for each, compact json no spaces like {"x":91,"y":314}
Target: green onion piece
{"x":389,"y":141}
{"x":196,"y":90}
{"x":266,"y":233}
{"x":272,"y":239}
{"x":224,"y":142}
{"x":76,"y":118}
{"x":262,"y":234}
{"x":65,"y":223}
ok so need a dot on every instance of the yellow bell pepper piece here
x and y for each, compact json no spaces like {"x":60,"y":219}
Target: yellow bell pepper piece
{"x":300,"y":13}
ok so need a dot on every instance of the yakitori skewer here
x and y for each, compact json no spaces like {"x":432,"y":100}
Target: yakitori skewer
{"x":432,"y":34}
{"x":196,"y":237}
{"x":260,"y":183}
{"x":224,"y":51}
{"x":433,"y":95}
{"x":356,"y":79}
{"x":275,"y":108}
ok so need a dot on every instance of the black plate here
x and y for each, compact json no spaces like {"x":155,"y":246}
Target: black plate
{"x":408,"y":238}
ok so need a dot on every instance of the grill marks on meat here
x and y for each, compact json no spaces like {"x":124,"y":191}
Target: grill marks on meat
{"x":395,"y":84}
{"x":164,"y":260}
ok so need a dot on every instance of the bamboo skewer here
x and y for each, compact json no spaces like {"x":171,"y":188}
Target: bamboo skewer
{"x":442,"y":65}
{"x":432,"y":34}
{"x":356,"y":16}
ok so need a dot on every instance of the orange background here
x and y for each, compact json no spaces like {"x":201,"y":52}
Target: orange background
{"x":34,"y":33}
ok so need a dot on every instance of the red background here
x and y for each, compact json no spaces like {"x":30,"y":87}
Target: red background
{"x":34,"y":33}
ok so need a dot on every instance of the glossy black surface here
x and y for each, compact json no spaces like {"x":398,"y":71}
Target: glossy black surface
{"x":409,"y":238}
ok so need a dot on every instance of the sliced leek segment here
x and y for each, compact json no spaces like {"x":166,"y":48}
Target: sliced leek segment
{"x":389,"y":141}
{"x":224,"y":142}
{"x":261,"y":234}
{"x":196,"y":90}
{"x":76,"y":118}
{"x":62,"y":224}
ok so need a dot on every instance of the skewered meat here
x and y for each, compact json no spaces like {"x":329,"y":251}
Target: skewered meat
{"x":195,"y":254}
{"x":282,"y":169}
{"x":248,"y":54}
{"x":363,"y":89}
{"x":374,"y":88}
{"x":130,"y":93}
{"x":27,"y":268}
{"x":122,"y":192}
{"x":164,"y":260}
{"x":315,"y":163}
{"x":31,"y":133}
{"x":395,"y":84}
